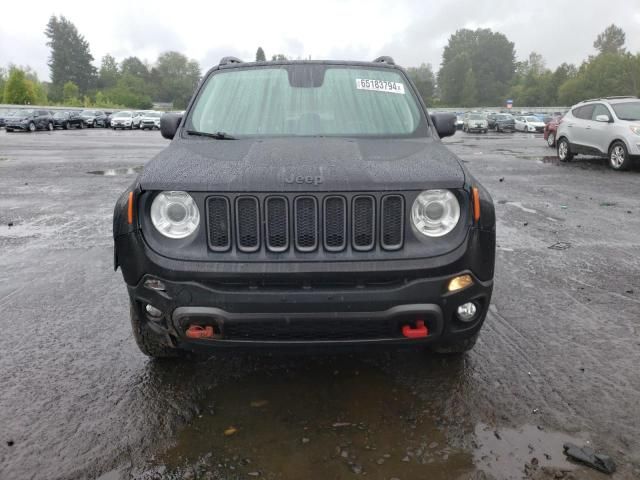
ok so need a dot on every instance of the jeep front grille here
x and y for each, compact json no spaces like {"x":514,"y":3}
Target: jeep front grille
{"x":305,"y":223}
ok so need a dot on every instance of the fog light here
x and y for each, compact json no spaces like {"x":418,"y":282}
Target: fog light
{"x":467,"y":311}
{"x":154,"y":284}
{"x":460,"y":282}
{"x":153,"y":311}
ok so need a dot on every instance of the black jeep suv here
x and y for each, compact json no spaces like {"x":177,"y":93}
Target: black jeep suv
{"x":305,"y":203}
{"x":66,"y":120}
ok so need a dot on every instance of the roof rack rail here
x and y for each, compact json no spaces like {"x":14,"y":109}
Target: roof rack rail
{"x":608,"y":98}
{"x":384,"y":59}
{"x":229,"y":60}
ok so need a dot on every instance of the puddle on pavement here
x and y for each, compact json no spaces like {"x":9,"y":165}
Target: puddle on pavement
{"x":318,"y":424}
{"x":112,"y":172}
{"x":324,"y":423}
{"x":550,"y":159}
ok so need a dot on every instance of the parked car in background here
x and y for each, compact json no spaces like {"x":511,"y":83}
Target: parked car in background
{"x":4,"y":114}
{"x":122,"y":120}
{"x":505,"y":122}
{"x":29,"y":121}
{"x":605,"y":127}
{"x":475,"y":122}
{"x":68,"y":119}
{"x":137,"y":118}
{"x":107,"y":121}
{"x":151,"y":121}
{"x":94,"y":118}
{"x":529,"y":123}
{"x":459,"y":121}
{"x":491,"y":120}
{"x":550,"y":130}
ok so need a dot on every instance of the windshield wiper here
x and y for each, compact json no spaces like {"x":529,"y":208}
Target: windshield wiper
{"x":217,"y":135}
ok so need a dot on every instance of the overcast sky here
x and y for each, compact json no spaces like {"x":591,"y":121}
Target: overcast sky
{"x":413,"y":32}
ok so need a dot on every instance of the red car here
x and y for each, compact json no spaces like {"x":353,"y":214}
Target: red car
{"x":550,"y":129}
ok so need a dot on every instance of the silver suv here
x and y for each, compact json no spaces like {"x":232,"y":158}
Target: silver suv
{"x":606,"y":127}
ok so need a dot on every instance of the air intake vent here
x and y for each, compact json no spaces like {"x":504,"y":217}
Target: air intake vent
{"x":248,"y":221}
{"x":219,"y":224}
{"x":335,"y":224}
{"x":392,"y":222}
{"x":306,"y":224}
{"x":363,"y":223}
{"x":277,"y":218}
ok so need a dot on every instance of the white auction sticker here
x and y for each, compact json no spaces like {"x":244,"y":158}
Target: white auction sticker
{"x":379,"y":85}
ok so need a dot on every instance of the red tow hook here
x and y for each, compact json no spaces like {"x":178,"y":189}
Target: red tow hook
{"x":419,"y":331}
{"x":198,"y":331}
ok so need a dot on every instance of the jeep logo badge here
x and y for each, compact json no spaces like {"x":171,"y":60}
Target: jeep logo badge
{"x":309,"y":180}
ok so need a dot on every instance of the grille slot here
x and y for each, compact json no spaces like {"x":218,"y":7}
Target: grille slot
{"x":277,"y":224}
{"x":392,"y":222}
{"x":335,"y":223}
{"x":306,"y":223}
{"x":363,"y":222}
{"x":247,"y":224}
{"x":219,"y":224}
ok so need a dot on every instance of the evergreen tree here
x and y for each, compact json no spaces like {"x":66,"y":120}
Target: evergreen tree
{"x":611,"y":40}
{"x":70,"y":58}
{"x":108,"y":76}
{"x":260,"y":57}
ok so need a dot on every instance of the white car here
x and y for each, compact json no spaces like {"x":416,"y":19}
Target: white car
{"x":475,"y":122}
{"x":150,"y":120}
{"x":529,"y":123}
{"x":605,"y":127}
{"x":122,"y":120}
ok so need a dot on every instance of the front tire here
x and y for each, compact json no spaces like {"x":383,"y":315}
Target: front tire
{"x":564,"y":150}
{"x":149,"y":342}
{"x":32,"y":127}
{"x":65,"y":126}
{"x":50,"y":126}
{"x":457,"y":347}
{"x":551,"y":139}
{"x":619,"y":156}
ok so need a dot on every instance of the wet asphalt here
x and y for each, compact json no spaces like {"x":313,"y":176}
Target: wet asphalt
{"x":558,"y":359}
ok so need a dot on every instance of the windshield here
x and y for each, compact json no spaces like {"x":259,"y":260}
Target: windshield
{"x":532,"y":119}
{"x":307,"y":100}
{"x":627,"y":111}
{"x":24,"y":113}
{"x":476,"y":117}
{"x":60,"y":114}
{"x":153,"y":114}
{"x":122,"y":114}
{"x":88,"y":112}
{"x":504,"y":117}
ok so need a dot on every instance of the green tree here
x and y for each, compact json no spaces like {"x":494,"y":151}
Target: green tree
{"x":3,"y":80}
{"x":469,"y":90}
{"x":260,"y":57}
{"x":130,"y":91}
{"x":70,"y":58}
{"x":109,"y":73}
{"x":490,"y":56}
{"x":134,"y":66}
{"x":175,"y":77}
{"x":424,"y":80}
{"x":611,"y":40}
{"x":70,"y":93}
{"x":18,"y":90}
{"x":279,"y":57}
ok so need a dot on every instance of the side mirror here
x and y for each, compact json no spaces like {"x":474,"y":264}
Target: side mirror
{"x":169,"y":123}
{"x":445,"y":123}
{"x":603,"y":118}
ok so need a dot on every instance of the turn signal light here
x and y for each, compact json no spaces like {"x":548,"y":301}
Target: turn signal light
{"x":460,"y":282}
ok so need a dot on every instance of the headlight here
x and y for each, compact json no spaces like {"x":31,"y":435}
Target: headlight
{"x":175,"y":214}
{"x":635,"y":129}
{"x":435,"y":212}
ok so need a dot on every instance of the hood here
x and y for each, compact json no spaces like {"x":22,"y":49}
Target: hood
{"x":303,"y":164}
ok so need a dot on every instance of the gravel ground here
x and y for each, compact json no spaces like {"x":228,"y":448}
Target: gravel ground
{"x":557,"y":360}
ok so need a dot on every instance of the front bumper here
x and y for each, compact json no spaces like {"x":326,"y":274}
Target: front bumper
{"x":17,"y":126}
{"x":309,"y":303}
